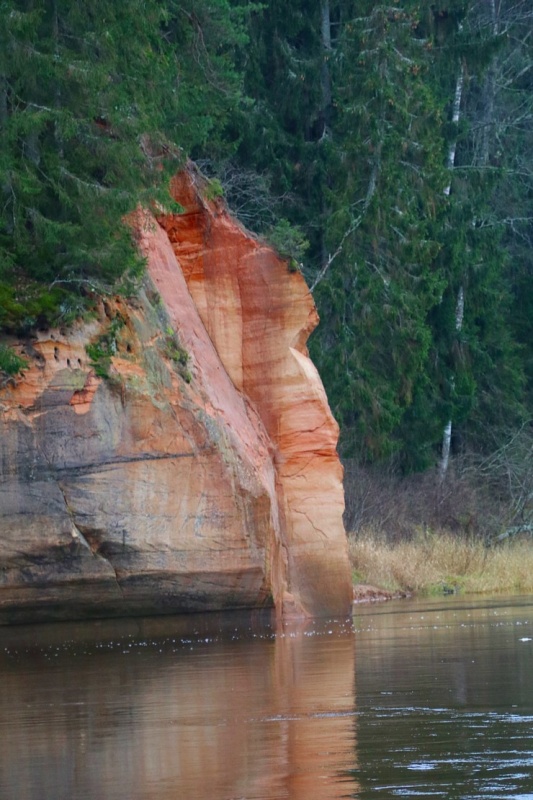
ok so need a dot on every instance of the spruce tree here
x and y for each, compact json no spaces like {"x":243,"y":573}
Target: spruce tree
{"x":99,"y":102}
{"x":477,"y":360}
{"x":388,"y":186}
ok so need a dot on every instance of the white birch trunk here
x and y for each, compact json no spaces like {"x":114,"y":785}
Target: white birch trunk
{"x":456,"y":116}
{"x":483,"y":160}
{"x":447,"y":433}
{"x":445,"y":454}
{"x":460,"y":303}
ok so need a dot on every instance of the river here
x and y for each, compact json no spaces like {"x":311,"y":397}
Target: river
{"x":418,"y":698}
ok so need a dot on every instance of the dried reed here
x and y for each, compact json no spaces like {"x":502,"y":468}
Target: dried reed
{"x":441,"y":562}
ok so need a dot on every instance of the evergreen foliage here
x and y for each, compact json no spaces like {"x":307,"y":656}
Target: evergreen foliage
{"x":387,"y":148}
{"x":98,"y":103}
{"x":10,"y":363}
{"x":388,"y":192}
{"x":399,"y":230}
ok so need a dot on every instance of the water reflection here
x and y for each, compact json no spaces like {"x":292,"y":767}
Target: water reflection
{"x":148,"y":710}
{"x":219,"y":708}
{"x":445,"y":699}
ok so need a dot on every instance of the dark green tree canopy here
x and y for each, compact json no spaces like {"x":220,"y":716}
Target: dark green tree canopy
{"x":98,"y":103}
{"x":384,"y":147}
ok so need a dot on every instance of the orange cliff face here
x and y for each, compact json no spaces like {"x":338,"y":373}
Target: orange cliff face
{"x":201,"y":472}
{"x":259,"y":316}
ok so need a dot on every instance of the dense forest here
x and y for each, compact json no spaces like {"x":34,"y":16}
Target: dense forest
{"x":385,"y":149}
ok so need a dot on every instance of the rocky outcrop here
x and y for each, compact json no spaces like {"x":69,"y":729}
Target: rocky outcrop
{"x":188,"y":462}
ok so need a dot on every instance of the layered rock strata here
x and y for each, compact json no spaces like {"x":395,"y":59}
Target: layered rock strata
{"x":188,"y":462}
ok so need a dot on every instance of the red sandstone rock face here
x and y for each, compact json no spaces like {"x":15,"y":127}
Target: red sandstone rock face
{"x":168,"y":487}
{"x":259,"y":316}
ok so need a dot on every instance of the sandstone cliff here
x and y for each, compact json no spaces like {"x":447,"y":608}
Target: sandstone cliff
{"x":188,"y":462}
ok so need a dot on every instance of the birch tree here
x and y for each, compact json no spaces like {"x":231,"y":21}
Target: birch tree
{"x":460,"y":303}
{"x":485,"y":382}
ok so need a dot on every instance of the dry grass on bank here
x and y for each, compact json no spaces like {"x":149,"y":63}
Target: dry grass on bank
{"x":433,"y":563}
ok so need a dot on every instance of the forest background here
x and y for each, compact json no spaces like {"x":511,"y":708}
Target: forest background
{"x":386,"y":150}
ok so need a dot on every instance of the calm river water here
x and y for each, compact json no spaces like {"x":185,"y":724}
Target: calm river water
{"x":417,"y":699}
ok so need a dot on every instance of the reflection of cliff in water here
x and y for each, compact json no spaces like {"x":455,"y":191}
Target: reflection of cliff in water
{"x":142,"y":709}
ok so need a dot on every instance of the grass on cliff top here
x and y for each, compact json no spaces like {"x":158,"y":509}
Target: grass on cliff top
{"x":435,"y":563}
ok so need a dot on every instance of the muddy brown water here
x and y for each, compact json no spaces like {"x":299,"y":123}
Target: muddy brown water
{"x":415,"y":699}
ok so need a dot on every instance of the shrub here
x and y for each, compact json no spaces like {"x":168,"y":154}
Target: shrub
{"x":11,"y":363}
{"x":173,"y":350}
{"x":213,"y":189}
{"x":288,"y":240}
{"x":101,"y":351}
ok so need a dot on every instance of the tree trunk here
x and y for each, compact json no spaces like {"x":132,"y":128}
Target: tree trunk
{"x":456,"y":116}
{"x":7,"y":185}
{"x":460,"y":302}
{"x":447,"y":433}
{"x":325,"y":30}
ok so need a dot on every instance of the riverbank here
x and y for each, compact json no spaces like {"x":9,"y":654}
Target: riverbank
{"x":438,"y":563}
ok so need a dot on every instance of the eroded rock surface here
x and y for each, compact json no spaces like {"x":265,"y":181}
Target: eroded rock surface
{"x":193,"y":470}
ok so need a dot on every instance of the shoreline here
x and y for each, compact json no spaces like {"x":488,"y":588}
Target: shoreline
{"x":437,"y":564}
{"x":366,"y":593}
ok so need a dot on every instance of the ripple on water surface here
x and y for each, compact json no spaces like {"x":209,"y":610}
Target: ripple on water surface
{"x":445,"y":700}
{"x":429,"y":699}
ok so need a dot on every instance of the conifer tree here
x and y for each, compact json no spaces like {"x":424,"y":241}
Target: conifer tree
{"x":481,"y":377}
{"x":98,"y":101}
{"x":331,"y":122}
{"x":363,"y":150}
{"x":388,"y":187}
